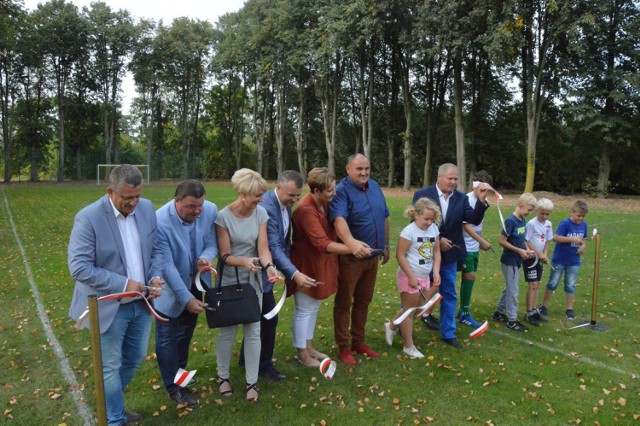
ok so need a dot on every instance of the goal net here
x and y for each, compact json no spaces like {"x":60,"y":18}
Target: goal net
{"x":103,"y":171}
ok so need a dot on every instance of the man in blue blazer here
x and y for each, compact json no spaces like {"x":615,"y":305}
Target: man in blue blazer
{"x":278,"y":203}
{"x":110,"y":251}
{"x":455,"y":209}
{"x":187,"y":242}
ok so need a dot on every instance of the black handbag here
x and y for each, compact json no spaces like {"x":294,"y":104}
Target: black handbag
{"x":231,"y":305}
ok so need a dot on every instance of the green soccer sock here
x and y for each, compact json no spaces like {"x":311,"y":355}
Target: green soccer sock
{"x":466,"y":288}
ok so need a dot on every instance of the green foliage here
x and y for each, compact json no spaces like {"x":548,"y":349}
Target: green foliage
{"x":298,"y":84}
{"x":590,"y":187}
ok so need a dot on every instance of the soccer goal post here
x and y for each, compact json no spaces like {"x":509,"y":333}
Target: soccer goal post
{"x":103,"y":171}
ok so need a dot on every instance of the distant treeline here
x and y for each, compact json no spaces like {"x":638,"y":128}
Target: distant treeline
{"x":545,"y":95}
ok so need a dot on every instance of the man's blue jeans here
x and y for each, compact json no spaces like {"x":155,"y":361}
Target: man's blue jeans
{"x":172,"y":346}
{"x":124,"y":346}
{"x":449,"y":303}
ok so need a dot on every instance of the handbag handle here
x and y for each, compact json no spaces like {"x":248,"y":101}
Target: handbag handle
{"x":221,"y":262}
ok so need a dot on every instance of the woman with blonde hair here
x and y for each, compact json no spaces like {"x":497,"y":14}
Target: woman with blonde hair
{"x":241,"y":228}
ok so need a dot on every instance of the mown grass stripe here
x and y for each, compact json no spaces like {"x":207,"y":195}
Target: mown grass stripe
{"x":65,"y":367}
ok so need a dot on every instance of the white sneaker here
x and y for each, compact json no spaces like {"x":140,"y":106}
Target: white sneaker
{"x":413,"y":352}
{"x":389,"y":333}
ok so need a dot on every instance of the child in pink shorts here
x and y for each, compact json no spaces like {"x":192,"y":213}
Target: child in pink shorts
{"x":418,"y":255}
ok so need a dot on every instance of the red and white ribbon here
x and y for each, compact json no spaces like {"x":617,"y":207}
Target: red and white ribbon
{"x":422,"y":309}
{"x":272,"y":313}
{"x":183,"y":377}
{"x":479,"y":331}
{"x":115,"y":296}
{"x":498,"y":198}
{"x":327,"y":368}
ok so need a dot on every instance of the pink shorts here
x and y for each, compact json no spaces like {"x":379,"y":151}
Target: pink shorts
{"x":403,"y":283}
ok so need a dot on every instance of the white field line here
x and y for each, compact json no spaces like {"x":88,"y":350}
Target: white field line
{"x":65,"y":367}
{"x":576,"y":357}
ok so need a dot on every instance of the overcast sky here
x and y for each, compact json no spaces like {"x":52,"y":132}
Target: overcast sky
{"x":167,"y":10}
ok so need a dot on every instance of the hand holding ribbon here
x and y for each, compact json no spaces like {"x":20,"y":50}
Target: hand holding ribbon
{"x":115,"y":296}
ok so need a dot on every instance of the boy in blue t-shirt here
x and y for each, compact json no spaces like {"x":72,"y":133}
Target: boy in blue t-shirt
{"x":513,"y":253}
{"x":570,"y":244}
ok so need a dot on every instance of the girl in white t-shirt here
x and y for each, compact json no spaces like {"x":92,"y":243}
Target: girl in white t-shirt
{"x":418,"y":255}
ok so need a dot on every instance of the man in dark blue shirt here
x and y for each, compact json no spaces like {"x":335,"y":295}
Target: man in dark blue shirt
{"x":360,"y":215}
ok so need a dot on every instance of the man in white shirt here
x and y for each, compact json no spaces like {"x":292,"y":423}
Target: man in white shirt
{"x":110,"y":251}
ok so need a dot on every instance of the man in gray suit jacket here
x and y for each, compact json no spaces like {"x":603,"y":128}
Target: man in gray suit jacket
{"x":188,"y":244}
{"x":110,"y":251}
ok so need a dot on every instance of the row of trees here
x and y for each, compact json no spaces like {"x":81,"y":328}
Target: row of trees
{"x":543,"y":92}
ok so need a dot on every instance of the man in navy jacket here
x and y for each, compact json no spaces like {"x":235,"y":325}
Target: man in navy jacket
{"x":278,"y":203}
{"x":455,"y":209}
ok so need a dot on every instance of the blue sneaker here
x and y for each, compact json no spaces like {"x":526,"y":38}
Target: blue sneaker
{"x":468,"y":320}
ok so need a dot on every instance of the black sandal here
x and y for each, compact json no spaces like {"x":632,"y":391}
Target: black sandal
{"x":252,"y":392}
{"x":224,"y":387}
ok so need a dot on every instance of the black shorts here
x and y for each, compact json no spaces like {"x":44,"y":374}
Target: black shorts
{"x":532,"y":274}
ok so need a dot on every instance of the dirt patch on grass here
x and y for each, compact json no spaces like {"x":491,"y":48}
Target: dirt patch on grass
{"x":613,"y":203}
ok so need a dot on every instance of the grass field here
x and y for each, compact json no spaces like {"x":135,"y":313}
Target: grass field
{"x":552,"y":375}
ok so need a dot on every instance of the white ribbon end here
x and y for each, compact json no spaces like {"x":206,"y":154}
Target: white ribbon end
{"x":199,"y":283}
{"x":82,"y":319}
{"x":279,"y":305}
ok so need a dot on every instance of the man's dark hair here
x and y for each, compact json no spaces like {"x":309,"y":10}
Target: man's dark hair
{"x":291,"y":175}
{"x":190,"y":188}
{"x":483,"y":176}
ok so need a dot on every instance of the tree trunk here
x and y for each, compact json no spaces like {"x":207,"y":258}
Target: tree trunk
{"x":408,"y":136}
{"x":33,"y":156}
{"x":61,"y":135}
{"x":300,"y":134}
{"x":604,"y":170}
{"x":6,"y":132}
{"x":392,"y":161}
{"x":281,"y":124}
{"x":426,"y":175}
{"x":78,"y":165}
{"x":457,"y":104}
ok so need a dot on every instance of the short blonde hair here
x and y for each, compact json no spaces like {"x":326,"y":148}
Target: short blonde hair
{"x":527,"y":199}
{"x":544,"y":204}
{"x":320,"y":178}
{"x":247,"y":181}
{"x":580,"y":207}
{"x":419,"y":207}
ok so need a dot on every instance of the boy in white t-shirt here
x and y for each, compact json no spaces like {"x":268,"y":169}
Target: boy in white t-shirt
{"x":539,"y":234}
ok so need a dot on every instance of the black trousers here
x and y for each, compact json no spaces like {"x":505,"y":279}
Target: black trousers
{"x":267,"y":333}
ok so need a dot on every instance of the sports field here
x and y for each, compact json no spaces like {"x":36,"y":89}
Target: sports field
{"x":552,"y":375}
